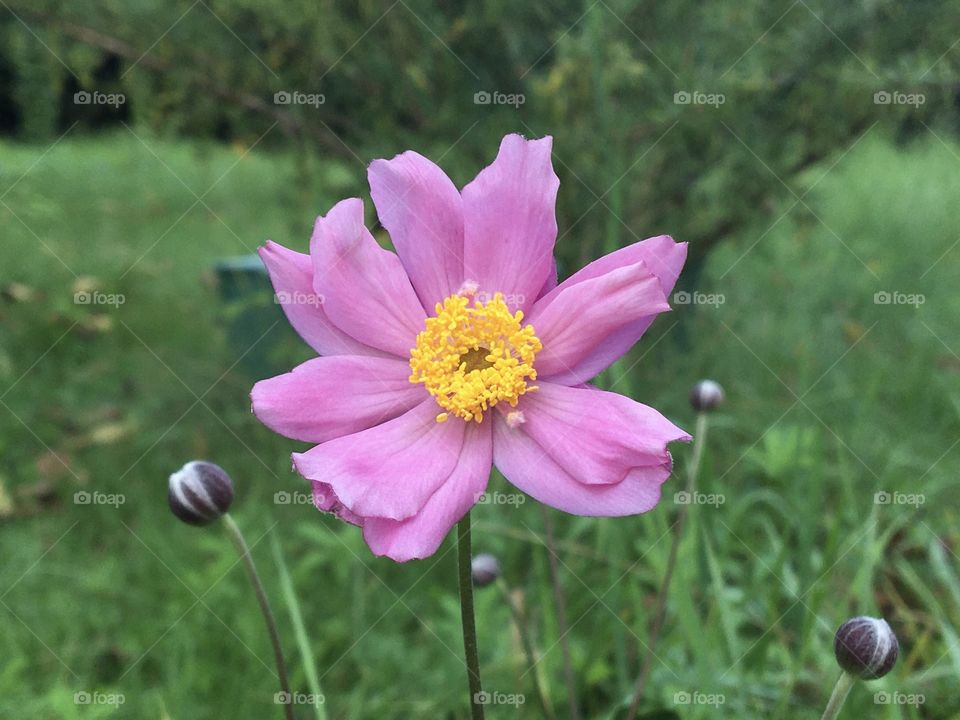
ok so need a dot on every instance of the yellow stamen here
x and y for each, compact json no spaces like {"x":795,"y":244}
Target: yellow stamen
{"x":472,"y":356}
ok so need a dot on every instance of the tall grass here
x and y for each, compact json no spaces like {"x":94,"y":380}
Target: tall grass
{"x":831,"y":399}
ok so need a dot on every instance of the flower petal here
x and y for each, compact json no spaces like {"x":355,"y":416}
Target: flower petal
{"x":419,"y":536}
{"x":525,"y":464}
{"x":364,"y":287}
{"x":580,"y":316}
{"x":510,"y":222}
{"x":327,"y":397}
{"x":326,"y":500}
{"x":291,"y":273}
{"x":421,"y":209}
{"x":664,"y":258}
{"x":389,"y":470}
{"x":552,"y":280}
{"x":598,"y":437}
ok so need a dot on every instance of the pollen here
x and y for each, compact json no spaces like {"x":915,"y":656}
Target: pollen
{"x":472,"y":355}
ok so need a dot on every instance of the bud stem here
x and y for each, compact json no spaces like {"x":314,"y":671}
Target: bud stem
{"x":519,"y":622}
{"x":693,"y":469}
{"x":465,"y":577}
{"x":840,"y":692}
{"x":241,"y":545}
{"x":561,"y":610}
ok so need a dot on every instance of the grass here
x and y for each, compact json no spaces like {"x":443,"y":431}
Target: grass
{"x":832,"y":398}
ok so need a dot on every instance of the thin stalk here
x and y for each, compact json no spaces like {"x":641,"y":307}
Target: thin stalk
{"x":660,"y":613}
{"x":237,"y":537}
{"x":299,"y":630}
{"x":840,"y":692}
{"x":561,"y":607}
{"x":465,"y":577}
{"x":519,"y":622}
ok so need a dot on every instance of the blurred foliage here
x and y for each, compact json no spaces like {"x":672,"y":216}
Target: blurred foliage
{"x":829,"y":198}
{"x":112,"y":399}
{"x":797,"y":82}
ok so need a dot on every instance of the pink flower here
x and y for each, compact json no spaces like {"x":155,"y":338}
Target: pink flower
{"x":461,"y":351}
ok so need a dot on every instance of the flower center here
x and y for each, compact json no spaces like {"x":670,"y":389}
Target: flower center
{"x":472,"y":356}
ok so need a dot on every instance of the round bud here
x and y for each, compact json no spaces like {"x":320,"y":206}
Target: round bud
{"x":866,"y":647}
{"x":706,"y":395}
{"x":485,"y":569}
{"x":200,"y":492}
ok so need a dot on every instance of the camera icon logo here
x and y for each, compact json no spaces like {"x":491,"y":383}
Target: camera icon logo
{"x":681,"y":698}
{"x":881,"y":498}
{"x":282,"y":497}
{"x":82,"y":698}
{"x":82,"y":497}
{"x":481,"y":698}
{"x":481,"y":98}
{"x":682,"y":98}
{"x":281,"y":98}
{"x":882,"y":97}
{"x":82,"y":98}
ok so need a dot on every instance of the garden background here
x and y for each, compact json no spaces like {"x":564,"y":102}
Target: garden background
{"x":807,"y":151}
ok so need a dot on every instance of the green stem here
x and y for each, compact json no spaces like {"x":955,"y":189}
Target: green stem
{"x":693,"y":469}
{"x":840,"y":692}
{"x":299,"y":630}
{"x":561,"y":608}
{"x":465,"y":577}
{"x":521,"y":625}
{"x":237,"y":537}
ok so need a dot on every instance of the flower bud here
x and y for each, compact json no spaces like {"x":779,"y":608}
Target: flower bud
{"x":200,"y":492}
{"x":706,"y":395}
{"x":866,"y":647}
{"x":485,"y":569}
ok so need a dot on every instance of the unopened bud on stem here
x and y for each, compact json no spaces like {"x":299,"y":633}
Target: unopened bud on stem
{"x":706,"y":395}
{"x":485,"y":569}
{"x":866,"y":647}
{"x":200,"y":492}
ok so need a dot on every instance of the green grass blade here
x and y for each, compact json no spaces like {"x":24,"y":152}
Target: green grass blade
{"x":303,"y":642}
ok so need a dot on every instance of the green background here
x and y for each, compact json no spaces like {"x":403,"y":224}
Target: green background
{"x":803,"y":196}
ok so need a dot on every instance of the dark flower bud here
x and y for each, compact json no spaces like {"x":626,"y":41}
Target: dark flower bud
{"x":706,"y":395}
{"x":485,"y":569}
{"x":200,"y":492}
{"x":866,"y":647}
